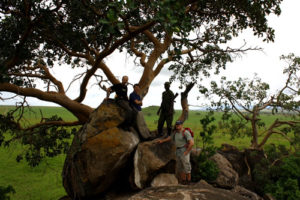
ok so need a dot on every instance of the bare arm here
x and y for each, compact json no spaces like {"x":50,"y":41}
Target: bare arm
{"x":164,"y":140}
{"x":138,"y":102}
{"x":189,"y":146}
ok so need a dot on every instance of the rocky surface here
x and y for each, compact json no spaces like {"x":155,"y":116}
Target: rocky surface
{"x":164,"y":179}
{"x":199,"y":191}
{"x":150,"y":159}
{"x":100,"y":154}
{"x":227,"y":177}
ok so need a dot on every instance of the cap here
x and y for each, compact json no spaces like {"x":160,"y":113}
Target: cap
{"x":178,"y":122}
{"x":167,"y":83}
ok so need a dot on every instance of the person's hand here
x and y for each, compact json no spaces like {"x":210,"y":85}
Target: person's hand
{"x":159,"y":141}
{"x":185,"y":153}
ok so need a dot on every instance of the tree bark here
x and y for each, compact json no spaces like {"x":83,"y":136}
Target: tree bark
{"x":184,"y":102}
{"x":80,"y":111}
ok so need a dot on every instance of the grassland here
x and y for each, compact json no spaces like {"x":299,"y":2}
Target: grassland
{"x":45,"y":183}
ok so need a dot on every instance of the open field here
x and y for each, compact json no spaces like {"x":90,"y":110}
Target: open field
{"x":45,"y":183}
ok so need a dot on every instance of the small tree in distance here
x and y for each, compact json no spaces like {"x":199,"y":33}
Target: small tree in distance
{"x":247,"y":99}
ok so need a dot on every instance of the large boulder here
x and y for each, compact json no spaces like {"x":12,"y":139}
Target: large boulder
{"x":235,"y":157}
{"x":100,"y":154}
{"x":150,"y":159}
{"x":240,"y":164}
{"x":199,"y":191}
{"x":227,"y":177}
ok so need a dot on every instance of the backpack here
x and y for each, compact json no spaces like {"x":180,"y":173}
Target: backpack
{"x":189,"y":130}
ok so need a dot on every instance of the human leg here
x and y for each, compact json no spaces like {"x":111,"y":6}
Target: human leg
{"x":169,"y":120}
{"x":187,"y":168}
{"x":182,"y":178}
{"x":160,"y":124}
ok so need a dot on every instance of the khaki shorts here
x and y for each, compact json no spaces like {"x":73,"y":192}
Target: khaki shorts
{"x":183,"y":161}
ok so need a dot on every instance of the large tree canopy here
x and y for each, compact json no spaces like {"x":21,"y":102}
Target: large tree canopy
{"x":190,"y":35}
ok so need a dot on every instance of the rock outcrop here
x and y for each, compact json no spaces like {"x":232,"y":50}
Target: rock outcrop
{"x":227,"y":177}
{"x":199,"y":191}
{"x":108,"y":155}
{"x":150,"y":159}
{"x":100,"y":153}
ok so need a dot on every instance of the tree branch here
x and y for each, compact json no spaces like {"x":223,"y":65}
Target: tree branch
{"x":237,"y":110}
{"x":184,"y":102}
{"x":52,"y":78}
{"x":138,"y":53}
{"x":81,"y":111}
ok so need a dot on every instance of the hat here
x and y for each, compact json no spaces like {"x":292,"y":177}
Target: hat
{"x":178,"y":122}
{"x":167,"y":83}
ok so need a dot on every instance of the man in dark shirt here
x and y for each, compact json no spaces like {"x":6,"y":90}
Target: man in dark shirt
{"x":135,"y":99}
{"x":120,"y":89}
{"x":166,"y":110}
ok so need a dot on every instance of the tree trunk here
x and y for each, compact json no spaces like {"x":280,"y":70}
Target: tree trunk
{"x":254,"y":141}
{"x":184,"y":102}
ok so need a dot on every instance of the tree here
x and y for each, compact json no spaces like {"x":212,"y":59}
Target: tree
{"x":247,"y":99}
{"x":188,"y":37}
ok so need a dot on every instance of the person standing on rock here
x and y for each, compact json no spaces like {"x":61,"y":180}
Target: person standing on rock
{"x":184,"y":143}
{"x":135,"y":98}
{"x":136,"y":103}
{"x":166,"y":110}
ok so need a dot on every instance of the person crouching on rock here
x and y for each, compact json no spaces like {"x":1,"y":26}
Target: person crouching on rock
{"x":122,"y":100}
{"x":184,"y":143}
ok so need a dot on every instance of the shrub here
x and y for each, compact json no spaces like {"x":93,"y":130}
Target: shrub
{"x":281,"y":177}
{"x":205,"y":168}
{"x":4,"y":191}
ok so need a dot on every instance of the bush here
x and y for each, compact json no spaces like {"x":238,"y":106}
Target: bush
{"x":286,"y":184}
{"x":282,"y":177}
{"x":4,"y":191}
{"x":205,"y":168}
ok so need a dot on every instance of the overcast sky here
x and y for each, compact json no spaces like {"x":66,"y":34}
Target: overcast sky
{"x":265,"y":63}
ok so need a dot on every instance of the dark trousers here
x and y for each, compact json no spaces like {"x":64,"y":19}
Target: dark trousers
{"x":162,"y":119}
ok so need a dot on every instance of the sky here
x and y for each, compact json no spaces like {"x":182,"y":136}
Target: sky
{"x":266,"y":64}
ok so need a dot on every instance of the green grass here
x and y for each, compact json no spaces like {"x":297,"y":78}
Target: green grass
{"x":193,"y":122}
{"x":39,"y":183}
{"x":45,"y":182}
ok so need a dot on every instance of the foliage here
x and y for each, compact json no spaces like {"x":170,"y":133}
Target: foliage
{"x":204,"y":168}
{"x":5,"y":191}
{"x":279,"y":174}
{"x":37,"y":35}
{"x":207,"y":129}
{"x":244,"y":100}
{"x":39,"y":142}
